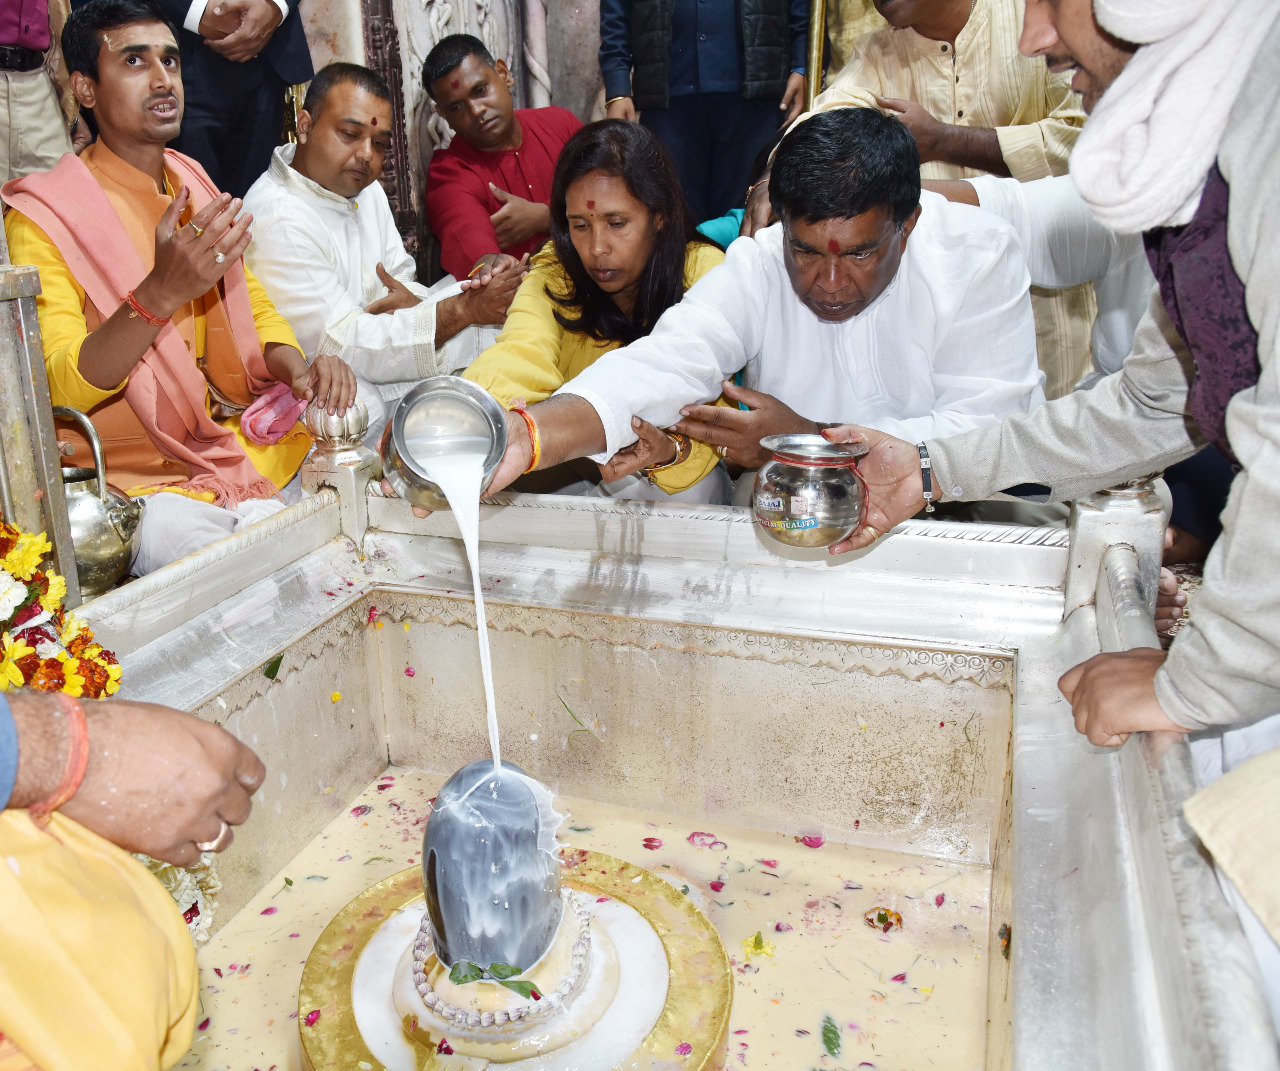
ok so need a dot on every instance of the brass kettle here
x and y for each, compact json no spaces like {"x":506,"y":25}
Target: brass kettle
{"x":103,"y":522}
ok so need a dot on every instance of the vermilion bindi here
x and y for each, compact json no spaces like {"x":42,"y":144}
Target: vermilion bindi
{"x":591,"y":204}
{"x":454,"y":84}
{"x":833,"y":245}
{"x":373,"y":121}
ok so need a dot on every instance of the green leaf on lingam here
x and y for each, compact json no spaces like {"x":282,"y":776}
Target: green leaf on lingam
{"x":830,"y":1036}
{"x":525,"y":989}
{"x":501,"y":971}
{"x":273,"y":667}
{"x":464,"y":972}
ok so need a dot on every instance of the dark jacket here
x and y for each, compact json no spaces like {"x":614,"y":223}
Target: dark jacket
{"x":286,"y":52}
{"x":682,"y":46}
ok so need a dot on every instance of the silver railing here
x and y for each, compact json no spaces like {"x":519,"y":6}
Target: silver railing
{"x":1204,"y":1008}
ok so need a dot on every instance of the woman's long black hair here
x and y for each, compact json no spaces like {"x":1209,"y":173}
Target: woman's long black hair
{"x":631,"y":152}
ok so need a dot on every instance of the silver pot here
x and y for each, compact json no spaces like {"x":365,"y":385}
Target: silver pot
{"x":810,"y":493}
{"x":431,"y":420}
{"x":104,"y":523}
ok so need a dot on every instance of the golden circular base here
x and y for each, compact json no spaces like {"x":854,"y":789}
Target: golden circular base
{"x":689,"y":1033}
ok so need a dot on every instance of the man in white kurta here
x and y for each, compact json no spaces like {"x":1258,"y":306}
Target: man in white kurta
{"x":335,"y":264}
{"x":948,"y":343}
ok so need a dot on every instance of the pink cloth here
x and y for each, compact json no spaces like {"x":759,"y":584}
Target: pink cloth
{"x":271,"y":415}
{"x":166,"y":388}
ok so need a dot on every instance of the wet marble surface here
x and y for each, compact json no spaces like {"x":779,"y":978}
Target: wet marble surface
{"x":818,"y":986}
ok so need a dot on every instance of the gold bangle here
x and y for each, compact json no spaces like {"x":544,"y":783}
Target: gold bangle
{"x":624,"y":96}
{"x":684,"y":447}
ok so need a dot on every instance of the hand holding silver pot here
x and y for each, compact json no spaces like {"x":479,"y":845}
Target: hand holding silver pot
{"x":810,"y":492}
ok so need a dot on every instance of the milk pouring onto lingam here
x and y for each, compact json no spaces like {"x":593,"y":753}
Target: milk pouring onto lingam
{"x":508,"y":963}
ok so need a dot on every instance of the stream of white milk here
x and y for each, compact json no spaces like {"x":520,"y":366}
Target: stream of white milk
{"x":459,"y":473}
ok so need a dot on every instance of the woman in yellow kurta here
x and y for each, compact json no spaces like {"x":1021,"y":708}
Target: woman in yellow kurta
{"x":623,"y":250}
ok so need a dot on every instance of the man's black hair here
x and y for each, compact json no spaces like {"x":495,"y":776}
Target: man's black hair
{"x":83,"y":30}
{"x":842,"y":163}
{"x":337,"y":74}
{"x":450,"y":52}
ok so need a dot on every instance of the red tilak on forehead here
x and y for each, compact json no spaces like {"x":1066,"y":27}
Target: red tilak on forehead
{"x":591,"y":204}
{"x":454,"y":84}
{"x":833,"y":245}
{"x":373,"y":121}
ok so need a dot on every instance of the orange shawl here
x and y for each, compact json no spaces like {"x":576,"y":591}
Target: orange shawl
{"x":166,"y":390}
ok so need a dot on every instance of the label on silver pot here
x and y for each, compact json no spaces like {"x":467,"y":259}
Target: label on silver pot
{"x":789,"y":526}
{"x":770,"y":502}
{"x":802,"y":505}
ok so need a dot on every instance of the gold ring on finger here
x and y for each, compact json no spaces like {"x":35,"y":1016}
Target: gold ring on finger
{"x":199,"y":230}
{"x":216,"y":844}
{"x":722,"y":450}
{"x":873,"y":532}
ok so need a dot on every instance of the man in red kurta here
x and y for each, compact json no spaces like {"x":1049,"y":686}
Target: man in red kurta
{"x":488,"y":192}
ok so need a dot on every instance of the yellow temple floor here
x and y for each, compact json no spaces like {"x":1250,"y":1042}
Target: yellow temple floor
{"x":817,"y":988}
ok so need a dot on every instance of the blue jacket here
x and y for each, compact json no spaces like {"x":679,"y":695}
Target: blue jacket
{"x":681,"y":47}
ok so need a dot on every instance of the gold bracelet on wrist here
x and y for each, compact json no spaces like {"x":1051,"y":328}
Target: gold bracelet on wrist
{"x":684,"y":447}
{"x":624,"y":96}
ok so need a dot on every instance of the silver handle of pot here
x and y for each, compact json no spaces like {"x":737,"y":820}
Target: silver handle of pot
{"x":95,"y":444}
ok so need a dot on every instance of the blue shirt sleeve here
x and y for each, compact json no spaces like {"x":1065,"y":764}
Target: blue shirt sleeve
{"x":615,"y":47}
{"x":8,"y":752}
{"x":799,"y":23}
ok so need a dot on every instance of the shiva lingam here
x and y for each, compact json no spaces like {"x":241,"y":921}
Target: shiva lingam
{"x":506,"y":948}
{"x":507,"y":962}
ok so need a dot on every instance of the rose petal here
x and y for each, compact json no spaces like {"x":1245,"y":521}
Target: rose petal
{"x":783,"y":927}
{"x":812,"y":842}
{"x":444,"y":1048}
{"x":311,"y":1018}
{"x":409,"y":671}
{"x":683,"y":1049}
{"x":772,"y":864}
{"x":361,"y":811}
{"x":717,"y":886}
{"x":939,"y":899}
{"x":268,"y":911}
{"x":899,"y":977}
{"x":204,"y":1025}
{"x":701,"y":840}
{"x":652,"y":843}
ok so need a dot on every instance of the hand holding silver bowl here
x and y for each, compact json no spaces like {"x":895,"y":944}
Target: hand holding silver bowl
{"x":810,"y":492}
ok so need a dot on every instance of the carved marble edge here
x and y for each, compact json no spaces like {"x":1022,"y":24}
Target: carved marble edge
{"x":255,"y":684}
{"x":143,"y":588}
{"x":975,"y":531}
{"x":906,"y":660}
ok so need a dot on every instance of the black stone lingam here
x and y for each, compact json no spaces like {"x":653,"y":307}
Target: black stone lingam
{"x":489,"y":868}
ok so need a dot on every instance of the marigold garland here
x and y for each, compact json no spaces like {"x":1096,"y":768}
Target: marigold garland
{"x":42,"y":645}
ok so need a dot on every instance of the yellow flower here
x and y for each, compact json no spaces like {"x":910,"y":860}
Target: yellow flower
{"x":26,"y":556}
{"x":52,"y":598}
{"x":756,"y":945}
{"x":74,"y":685}
{"x":113,"y":680}
{"x":72,"y":626}
{"x":10,"y":674}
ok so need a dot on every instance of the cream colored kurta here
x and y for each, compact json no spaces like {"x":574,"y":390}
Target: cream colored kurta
{"x":984,"y":81}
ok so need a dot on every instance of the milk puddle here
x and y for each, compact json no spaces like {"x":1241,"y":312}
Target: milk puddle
{"x":459,"y":473}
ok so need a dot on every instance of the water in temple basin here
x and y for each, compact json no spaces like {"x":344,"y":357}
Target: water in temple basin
{"x":910,"y":998}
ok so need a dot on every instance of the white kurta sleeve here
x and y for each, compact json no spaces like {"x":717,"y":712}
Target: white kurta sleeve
{"x":985,"y":365}
{"x":695,"y":346}
{"x":379,"y":347}
{"x":1064,"y":243}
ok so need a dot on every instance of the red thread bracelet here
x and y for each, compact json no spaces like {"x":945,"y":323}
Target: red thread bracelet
{"x":77,"y":763}
{"x":140,"y":311}
{"x":535,"y":439}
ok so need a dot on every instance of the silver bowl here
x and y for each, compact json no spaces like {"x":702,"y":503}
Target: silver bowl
{"x":809,"y":493}
{"x":493,"y":888}
{"x":431,"y":420}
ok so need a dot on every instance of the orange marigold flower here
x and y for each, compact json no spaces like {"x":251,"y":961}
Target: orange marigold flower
{"x":48,"y":676}
{"x":95,"y":677}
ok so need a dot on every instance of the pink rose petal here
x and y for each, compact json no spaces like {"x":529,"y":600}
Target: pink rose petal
{"x":217,"y":971}
{"x":683,"y":1049}
{"x":813,"y":842}
{"x":701,"y":840}
{"x":204,"y":1025}
{"x":268,"y":911}
{"x":444,"y":1048}
{"x":717,"y":886}
{"x":361,"y":811}
{"x":311,"y":1018}
{"x":652,"y":843}
{"x":295,"y":935}
{"x":772,"y":864}
{"x":373,"y":614}
{"x":899,"y":977}
{"x":783,"y":927}
{"x":939,"y":899}
{"x":409,"y":671}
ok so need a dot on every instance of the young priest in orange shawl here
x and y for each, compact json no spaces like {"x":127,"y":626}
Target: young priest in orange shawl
{"x":150,"y":321}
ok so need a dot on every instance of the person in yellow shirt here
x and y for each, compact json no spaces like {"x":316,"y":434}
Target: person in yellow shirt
{"x":150,"y":322}
{"x":952,"y":72}
{"x":623,"y":250}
